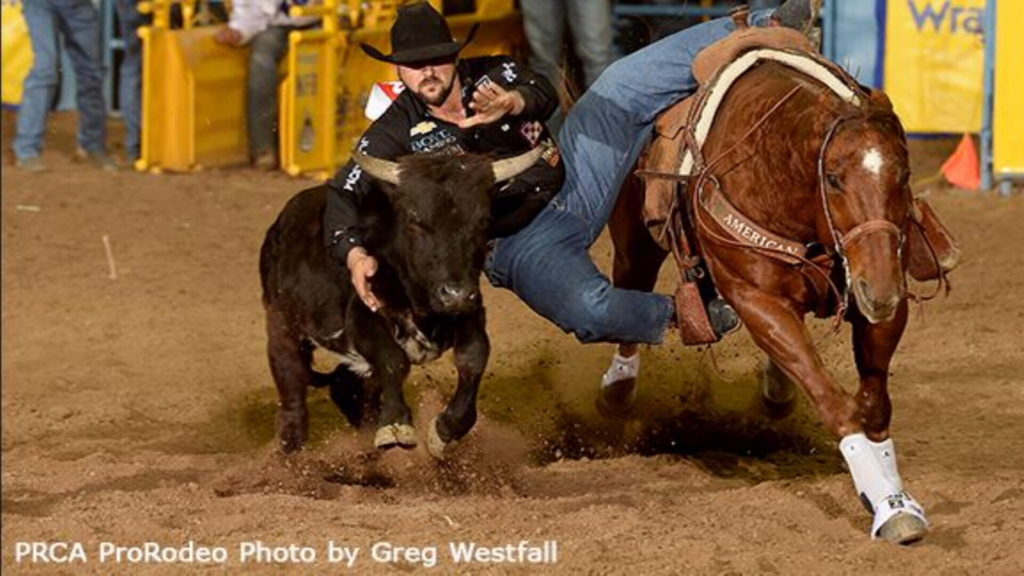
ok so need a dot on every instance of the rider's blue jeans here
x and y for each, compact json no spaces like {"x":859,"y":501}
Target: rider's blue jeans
{"x":547,"y":263}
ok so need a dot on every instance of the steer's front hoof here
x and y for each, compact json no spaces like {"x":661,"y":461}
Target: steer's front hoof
{"x":391,"y":435}
{"x":435,"y":445}
{"x":903,"y":529}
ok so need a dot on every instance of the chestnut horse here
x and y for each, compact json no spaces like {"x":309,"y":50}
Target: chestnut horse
{"x":799,"y":161}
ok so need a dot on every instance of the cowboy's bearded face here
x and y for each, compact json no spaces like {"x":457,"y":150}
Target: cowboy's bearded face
{"x":430,"y":81}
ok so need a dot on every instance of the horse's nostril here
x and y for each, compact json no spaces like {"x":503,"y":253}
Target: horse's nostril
{"x":864,"y":288}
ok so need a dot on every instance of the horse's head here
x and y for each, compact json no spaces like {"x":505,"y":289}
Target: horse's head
{"x":864,"y":171}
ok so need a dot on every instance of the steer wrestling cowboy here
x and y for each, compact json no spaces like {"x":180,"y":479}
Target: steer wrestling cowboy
{"x":489,"y":105}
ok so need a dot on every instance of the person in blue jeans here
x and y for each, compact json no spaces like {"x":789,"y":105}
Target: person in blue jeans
{"x":547,"y":263}
{"x":130,"y":89}
{"x":590,"y":26}
{"x":78,"y":23}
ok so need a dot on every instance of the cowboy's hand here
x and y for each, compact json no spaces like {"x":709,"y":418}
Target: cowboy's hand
{"x":362,"y":267}
{"x":491,"y":102}
{"x":229,"y":36}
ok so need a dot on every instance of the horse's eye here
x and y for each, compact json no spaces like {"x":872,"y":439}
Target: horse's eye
{"x":834,"y":181}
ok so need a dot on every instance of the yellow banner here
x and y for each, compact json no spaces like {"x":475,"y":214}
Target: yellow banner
{"x":1008,"y":118}
{"x":16,"y":52}
{"x":934,"y":63}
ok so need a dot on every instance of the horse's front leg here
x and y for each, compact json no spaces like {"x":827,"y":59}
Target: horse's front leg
{"x":873,"y":348}
{"x":472,"y":349}
{"x":898,"y":517}
{"x":779,"y":330}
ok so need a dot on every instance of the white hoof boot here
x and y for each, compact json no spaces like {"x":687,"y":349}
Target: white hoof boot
{"x":618,"y":386}
{"x":392,"y":435}
{"x":435,"y":445}
{"x":898,"y":517}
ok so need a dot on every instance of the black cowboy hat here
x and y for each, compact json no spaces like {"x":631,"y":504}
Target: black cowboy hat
{"x":419,"y":34}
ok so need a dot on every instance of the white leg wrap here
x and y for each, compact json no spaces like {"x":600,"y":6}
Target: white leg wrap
{"x":621,"y":369}
{"x":885,"y":453}
{"x":873,"y":467}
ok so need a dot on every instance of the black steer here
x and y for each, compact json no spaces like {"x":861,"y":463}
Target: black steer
{"x":429,"y":216}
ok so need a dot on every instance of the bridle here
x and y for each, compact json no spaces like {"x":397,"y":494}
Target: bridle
{"x":841,"y":241}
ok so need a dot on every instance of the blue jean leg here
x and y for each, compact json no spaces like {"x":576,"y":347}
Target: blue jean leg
{"x":80,"y":25}
{"x":41,"y":82}
{"x":607,"y":130}
{"x":268,"y":48}
{"x":591,"y":23}
{"x":547,"y":263}
{"x":130,"y":91}
{"x":551,"y":271}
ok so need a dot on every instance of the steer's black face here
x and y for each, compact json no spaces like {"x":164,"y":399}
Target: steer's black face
{"x":443,"y":214}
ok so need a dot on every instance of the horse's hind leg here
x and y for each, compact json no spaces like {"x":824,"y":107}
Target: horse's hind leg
{"x":638,"y":258}
{"x":902,"y":519}
{"x":778,"y":393}
{"x":290,"y":365}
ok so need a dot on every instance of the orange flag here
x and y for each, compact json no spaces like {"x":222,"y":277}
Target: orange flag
{"x":962,"y":168}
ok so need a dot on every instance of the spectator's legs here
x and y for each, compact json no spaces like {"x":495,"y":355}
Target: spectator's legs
{"x":130,"y":90}
{"x":591,"y":24}
{"x":544,"y":23}
{"x":41,"y":83}
{"x":80,"y":24}
{"x":268,"y":48}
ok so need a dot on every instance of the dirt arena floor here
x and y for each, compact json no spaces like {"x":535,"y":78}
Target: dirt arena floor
{"x":140,"y":409}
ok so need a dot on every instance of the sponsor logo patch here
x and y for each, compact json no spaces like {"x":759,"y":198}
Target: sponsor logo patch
{"x":422,"y":128}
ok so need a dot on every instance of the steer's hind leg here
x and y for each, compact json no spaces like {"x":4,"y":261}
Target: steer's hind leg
{"x":389,"y":368}
{"x":348,"y":393}
{"x":290,"y":365}
{"x":472,"y":349}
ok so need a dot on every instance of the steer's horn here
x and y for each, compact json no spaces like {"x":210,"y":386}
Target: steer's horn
{"x":511,"y":167}
{"x":380,"y":169}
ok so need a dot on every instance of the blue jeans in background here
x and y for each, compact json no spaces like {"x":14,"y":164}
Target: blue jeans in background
{"x":78,"y":23}
{"x":130,"y":90}
{"x":590,"y":22}
{"x":547,"y":263}
{"x":268,"y":48}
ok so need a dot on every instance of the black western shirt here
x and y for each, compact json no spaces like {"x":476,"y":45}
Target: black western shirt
{"x":407,"y":127}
